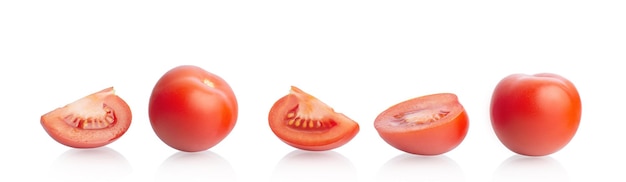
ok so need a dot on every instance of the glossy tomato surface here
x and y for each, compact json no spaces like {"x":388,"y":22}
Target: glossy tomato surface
{"x":428,"y":125}
{"x":535,"y":115}
{"x":306,"y":123}
{"x":192,"y":109}
{"x":92,"y":121}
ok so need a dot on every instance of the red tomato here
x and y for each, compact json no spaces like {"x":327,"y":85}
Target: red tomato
{"x":305,"y":122}
{"x":191,"y":109}
{"x":535,"y":115}
{"x":427,"y":125}
{"x":92,"y":121}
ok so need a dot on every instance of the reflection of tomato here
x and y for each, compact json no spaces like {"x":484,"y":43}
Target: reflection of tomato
{"x":535,"y":114}
{"x":304,"y":122}
{"x":199,"y":166}
{"x":87,"y":165}
{"x":317,"y":166}
{"x":408,"y":167}
{"x":92,"y":121}
{"x":427,"y":125}
{"x":191,"y":109}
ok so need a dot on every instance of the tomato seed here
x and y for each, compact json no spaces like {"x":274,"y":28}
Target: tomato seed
{"x":301,"y":123}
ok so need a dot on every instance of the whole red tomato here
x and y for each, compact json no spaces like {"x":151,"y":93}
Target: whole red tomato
{"x":192,"y":109}
{"x":535,"y":115}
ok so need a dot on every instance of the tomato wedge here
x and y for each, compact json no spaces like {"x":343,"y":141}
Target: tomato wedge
{"x":92,"y":121}
{"x":427,"y":125}
{"x":306,"y":123}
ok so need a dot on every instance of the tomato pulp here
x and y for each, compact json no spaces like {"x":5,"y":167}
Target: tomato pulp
{"x":92,"y":121}
{"x":427,"y":125}
{"x":192,"y":109}
{"x":306,"y":123}
{"x":535,"y":115}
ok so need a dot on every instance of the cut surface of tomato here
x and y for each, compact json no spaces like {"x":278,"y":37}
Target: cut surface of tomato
{"x":427,"y":125}
{"x":305,"y":122}
{"x":92,"y":121}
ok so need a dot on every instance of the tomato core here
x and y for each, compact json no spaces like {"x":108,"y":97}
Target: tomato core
{"x":90,"y":113}
{"x":310,"y":114}
{"x":418,"y":117}
{"x":92,"y":123}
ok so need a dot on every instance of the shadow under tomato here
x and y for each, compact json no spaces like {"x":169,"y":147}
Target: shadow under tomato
{"x":536,"y":169}
{"x":195,"y":166}
{"x":409,"y":167}
{"x":97,"y":164}
{"x":318,"y":166}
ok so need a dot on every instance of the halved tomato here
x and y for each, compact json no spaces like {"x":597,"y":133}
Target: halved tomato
{"x":305,"y":122}
{"x":92,"y":121}
{"x":428,"y":125}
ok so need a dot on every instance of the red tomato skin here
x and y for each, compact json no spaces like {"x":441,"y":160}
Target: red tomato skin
{"x":54,"y":124}
{"x":430,"y":141}
{"x":188,"y":114}
{"x":435,"y":138}
{"x":535,"y":115}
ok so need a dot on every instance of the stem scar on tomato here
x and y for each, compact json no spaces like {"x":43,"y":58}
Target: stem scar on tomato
{"x":209,"y":83}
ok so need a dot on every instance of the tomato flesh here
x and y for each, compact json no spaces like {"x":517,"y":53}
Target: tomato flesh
{"x":427,"y":125}
{"x":305,"y":122}
{"x":92,"y":121}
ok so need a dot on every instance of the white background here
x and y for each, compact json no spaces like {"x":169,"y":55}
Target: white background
{"x":359,"y":57}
